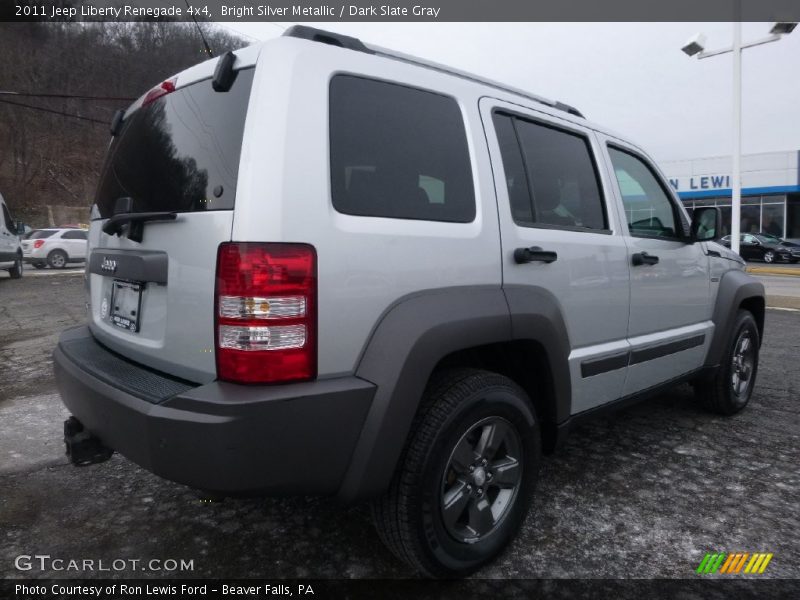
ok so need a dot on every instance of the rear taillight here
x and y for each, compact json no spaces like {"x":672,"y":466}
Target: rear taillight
{"x":38,"y":243}
{"x":266,"y":312}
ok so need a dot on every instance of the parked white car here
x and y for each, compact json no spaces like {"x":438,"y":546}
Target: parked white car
{"x":55,"y":247}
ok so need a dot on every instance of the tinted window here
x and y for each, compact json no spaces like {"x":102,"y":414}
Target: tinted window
{"x":561,"y":182}
{"x":519,"y":196}
{"x":180,"y":153}
{"x":7,"y":217}
{"x":398,"y":152}
{"x":42,"y":233}
{"x":74,"y":235}
{"x":648,"y":209}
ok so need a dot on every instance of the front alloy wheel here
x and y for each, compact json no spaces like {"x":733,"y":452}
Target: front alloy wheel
{"x":730,"y":387}
{"x":743,"y":364}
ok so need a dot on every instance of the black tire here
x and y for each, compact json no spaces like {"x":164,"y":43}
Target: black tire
{"x":57,"y":259}
{"x":721,"y":393}
{"x":16,"y":271}
{"x":769,"y":257}
{"x":39,"y":265}
{"x":458,"y":407}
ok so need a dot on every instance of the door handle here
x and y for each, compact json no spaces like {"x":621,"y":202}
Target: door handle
{"x":534,"y":254}
{"x":643,"y":258}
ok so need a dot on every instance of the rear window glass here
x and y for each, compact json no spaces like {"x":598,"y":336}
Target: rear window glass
{"x":41,"y":234}
{"x":398,"y":152}
{"x":180,"y":153}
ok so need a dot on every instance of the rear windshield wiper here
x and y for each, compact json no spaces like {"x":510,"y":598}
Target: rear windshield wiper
{"x":135,"y":222}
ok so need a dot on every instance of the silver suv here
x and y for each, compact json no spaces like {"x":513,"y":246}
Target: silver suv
{"x":320,"y":267}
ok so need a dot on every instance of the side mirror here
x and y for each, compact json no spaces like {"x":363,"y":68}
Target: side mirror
{"x":21,"y":227}
{"x":706,"y":224}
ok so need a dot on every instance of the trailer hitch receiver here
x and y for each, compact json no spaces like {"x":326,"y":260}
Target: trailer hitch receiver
{"x":83,"y":448}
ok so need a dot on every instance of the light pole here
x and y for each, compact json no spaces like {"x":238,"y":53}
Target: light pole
{"x":696,"y":47}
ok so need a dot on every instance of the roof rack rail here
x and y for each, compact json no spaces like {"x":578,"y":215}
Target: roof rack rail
{"x":570,"y":109}
{"x":313,"y":34}
{"x":345,"y":41}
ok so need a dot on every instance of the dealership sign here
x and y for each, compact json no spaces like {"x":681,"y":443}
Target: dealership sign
{"x":700,"y":182}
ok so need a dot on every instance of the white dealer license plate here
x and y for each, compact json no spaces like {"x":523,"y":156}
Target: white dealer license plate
{"x":126,"y":304}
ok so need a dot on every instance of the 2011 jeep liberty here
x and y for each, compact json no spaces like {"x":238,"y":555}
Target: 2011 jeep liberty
{"x":320,"y":267}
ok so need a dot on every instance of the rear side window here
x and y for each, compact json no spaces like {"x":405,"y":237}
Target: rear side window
{"x":551,"y":176}
{"x":41,"y":234}
{"x":74,"y":235}
{"x":398,"y":152}
{"x":180,"y":153}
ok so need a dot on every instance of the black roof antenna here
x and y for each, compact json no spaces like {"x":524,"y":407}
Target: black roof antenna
{"x":200,"y":31}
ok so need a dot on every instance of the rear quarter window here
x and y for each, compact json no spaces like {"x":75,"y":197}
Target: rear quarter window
{"x":41,"y":234}
{"x":398,"y":152}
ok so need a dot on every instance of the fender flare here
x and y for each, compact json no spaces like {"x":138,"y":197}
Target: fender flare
{"x":409,"y":340}
{"x":735,"y":287}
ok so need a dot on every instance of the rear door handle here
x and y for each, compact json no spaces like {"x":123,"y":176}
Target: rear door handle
{"x":643,"y":258}
{"x":534,"y":254}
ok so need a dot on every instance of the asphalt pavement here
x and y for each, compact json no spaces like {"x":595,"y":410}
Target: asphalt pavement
{"x":645,"y":492}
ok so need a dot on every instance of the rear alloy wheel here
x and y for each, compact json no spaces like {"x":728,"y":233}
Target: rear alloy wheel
{"x":16,"y":270}
{"x":57,"y":259}
{"x":730,"y":388}
{"x":481,"y":479}
{"x":769,"y":256}
{"x":466,"y":478}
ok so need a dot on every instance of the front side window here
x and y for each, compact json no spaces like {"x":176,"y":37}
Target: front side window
{"x":74,"y":235}
{"x":648,"y":210}
{"x":550,"y":174}
{"x":398,"y":152}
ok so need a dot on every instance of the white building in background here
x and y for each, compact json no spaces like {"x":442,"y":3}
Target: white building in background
{"x":770,"y":189}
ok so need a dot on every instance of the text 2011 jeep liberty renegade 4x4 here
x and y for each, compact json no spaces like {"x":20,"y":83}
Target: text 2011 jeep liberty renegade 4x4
{"x":319,"y":267}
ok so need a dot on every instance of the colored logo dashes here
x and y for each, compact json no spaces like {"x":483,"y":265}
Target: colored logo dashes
{"x":734,"y":563}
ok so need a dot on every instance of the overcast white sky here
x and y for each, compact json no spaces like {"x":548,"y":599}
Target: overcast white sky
{"x":629,"y":77}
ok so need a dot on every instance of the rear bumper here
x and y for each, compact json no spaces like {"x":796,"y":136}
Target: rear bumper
{"x":221,"y":437}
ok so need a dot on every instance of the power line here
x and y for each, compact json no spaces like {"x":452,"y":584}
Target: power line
{"x":237,"y":32}
{"x":281,"y":26}
{"x":54,"y":112}
{"x":67,"y":96}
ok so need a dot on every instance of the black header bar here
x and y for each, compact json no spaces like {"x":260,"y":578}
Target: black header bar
{"x":401,"y":10}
